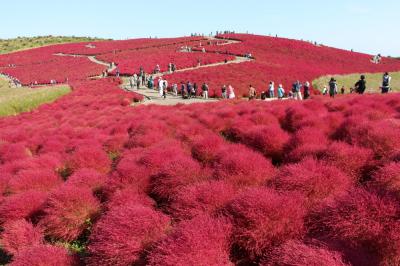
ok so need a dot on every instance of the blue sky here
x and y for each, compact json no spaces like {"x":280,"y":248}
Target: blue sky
{"x":366,"y":26}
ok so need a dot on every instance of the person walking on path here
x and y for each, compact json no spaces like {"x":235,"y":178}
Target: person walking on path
{"x":307,"y":90}
{"x":189,"y":87}
{"x":183,"y":90}
{"x":160,"y":86}
{"x":361,"y":85}
{"x":252,"y":93}
{"x":332,"y":88}
{"x":231,"y":92}
{"x":386,"y":83}
{"x":281,"y":92}
{"x":194,"y":90}
{"x":204,"y":89}
{"x":271,"y":89}
{"x":132,"y":82}
{"x":223,"y":92}
{"x":175,"y":89}
{"x":165,"y":88}
{"x":297,"y":90}
{"x":143,"y":79}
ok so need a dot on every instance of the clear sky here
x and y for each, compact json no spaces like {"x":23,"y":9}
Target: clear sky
{"x":363,"y":25}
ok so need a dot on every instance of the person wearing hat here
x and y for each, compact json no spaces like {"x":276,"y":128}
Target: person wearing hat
{"x":361,"y":85}
{"x":332,"y":88}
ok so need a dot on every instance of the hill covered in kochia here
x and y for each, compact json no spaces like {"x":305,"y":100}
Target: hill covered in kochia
{"x":275,"y":59}
{"x":22,"y":43}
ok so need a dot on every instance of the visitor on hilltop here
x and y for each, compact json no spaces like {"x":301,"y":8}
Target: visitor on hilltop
{"x":204,"y":89}
{"x":231,"y":92}
{"x":332,"y":88}
{"x":307,"y":93}
{"x":194,"y":90}
{"x":183,"y":90}
{"x":325,"y":91}
{"x":271,"y":90}
{"x":252,"y":93}
{"x":132,"y":82}
{"x":342,"y":90}
{"x":297,"y":91}
{"x":386,"y":83}
{"x":361,"y":85}
{"x":189,"y":87}
{"x":170,"y":67}
{"x":175,"y":89}
{"x":160,"y":86}
{"x":143,"y":79}
{"x":157,"y":69}
{"x":173,"y":68}
{"x":281,"y":92}
{"x":223,"y":92}
{"x":165,"y":89}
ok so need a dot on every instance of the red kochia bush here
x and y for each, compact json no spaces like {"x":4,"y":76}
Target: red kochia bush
{"x":315,"y":180}
{"x":69,"y":212}
{"x":269,"y":139}
{"x":35,"y":179}
{"x":206,"y":197}
{"x":352,"y":160}
{"x":20,"y":235}
{"x":11,"y":152}
{"x":206,"y":148}
{"x":297,"y":253}
{"x":24,"y":205}
{"x":87,"y":178}
{"x":122,"y":234}
{"x":45,"y":255}
{"x":241,"y":166}
{"x":122,"y":197}
{"x":362,"y":219}
{"x":387,"y":178}
{"x":90,"y":157}
{"x":262,"y":219}
{"x":202,"y":241}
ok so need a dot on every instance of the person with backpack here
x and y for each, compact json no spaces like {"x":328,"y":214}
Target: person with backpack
{"x":332,"y":88}
{"x":204,"y":88}
{"x":252,"y":93}
{"x":306,"y":90}
{"x":361,"y":85}
{"x":223,"y":92}
{"x":297,"y":90}
{"x":281,"y":92}
{"x":386,"y":83}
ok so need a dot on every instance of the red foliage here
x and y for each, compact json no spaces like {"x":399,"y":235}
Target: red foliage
{"x":362,"y":219}
{"x":23,"y":205}
{"x":297,"y":253}
{"x":206,"y":148}
{"x":129,"y":195}
{"x":203,"y":198}
{"x":37,"y":179}
{"x":387,"y":178}
{"x":263,"y":219}
{"x":123,"y":233}
{"x":68,"y":212}
{"x":201,"y":241}
{"x":11,"y":152}
{"x":315,"y":180}
{"x":241,"y":166}
{"x":20,"y":235}
{"x":87,"y":178}
{"x":90,"y":157}
{"x":45,"y":255}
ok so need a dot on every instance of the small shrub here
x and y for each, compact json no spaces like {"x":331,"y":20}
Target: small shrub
{"x":45,"y":255}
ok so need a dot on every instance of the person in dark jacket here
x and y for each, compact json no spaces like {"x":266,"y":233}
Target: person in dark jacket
{"x":386,"y":83}
{"x":332,"y":88}
{"x":361,"y":85}
{"x":183,"y":90}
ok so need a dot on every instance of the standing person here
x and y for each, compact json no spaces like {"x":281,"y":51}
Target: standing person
{"x":252,"y":93}
{"x":194,"y":90}
{"x":332,"y":88}
{"x":231,"y":92}
{"x":342,"y":90}
{"x":306,"y":90}
{"x":170,"y":67}
{"x":165,"y":88}
{"x":361,"y":85}
{"x":297,"y":90}
{"x":117,"y":72}
{"x":160,"y":86}
{"x":324,"y":90}
{"x":386,"y":83}
{"x":143,"y":79}
{"x":183,"y":90}
{"x":204,"y":89}
{"x":223,"y":92}
{"x":135,"y":78}
{"x":173,"y":68}
{"x":271,"y":89}
{"x":189,"y":89}
{"x":175,"y":89}
{"x":131,"y":82}
{"x":281,"y":92}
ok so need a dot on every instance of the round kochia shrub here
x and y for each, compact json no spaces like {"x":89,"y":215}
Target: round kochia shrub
{"x":297,"y":253}
{"x":122,"y":235}
{"x":20,"y":235}
{"x":315,"y":180}
{"x":263,"y":219}
{"x":45,"y":255}
{"x":23,"y":205}
{"x":202,"y":241}
{"x":202,"y":198}
{"x":87,"y":178}
{"x":68,"y":212}
{"x":363,"y":220}
{"x":240,"y":166}
{"x":387,"y":178}
{"x":89,"y":157}
{"x":35,"y":179}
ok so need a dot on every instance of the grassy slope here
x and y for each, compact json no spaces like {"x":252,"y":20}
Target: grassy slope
{"x":23,"y":43}
{"x":17,"y":100}
{"x":374,"y":81}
